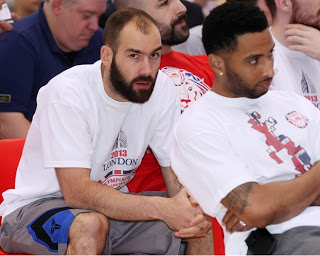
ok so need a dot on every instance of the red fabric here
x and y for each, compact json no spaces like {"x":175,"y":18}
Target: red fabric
{"x":148,"y":176}
{"x":196,"y":64}
{"x":218,"y":238}
{"x":10,"y":152}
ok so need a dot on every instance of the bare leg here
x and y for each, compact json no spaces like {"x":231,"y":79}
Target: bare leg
{"x":87,"y":234}
{"x":200,"y":246}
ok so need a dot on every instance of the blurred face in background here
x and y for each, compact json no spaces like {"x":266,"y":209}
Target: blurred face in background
{"x":306,"y":12}
{"x":170,"y":16}
{"x":76,"y":23}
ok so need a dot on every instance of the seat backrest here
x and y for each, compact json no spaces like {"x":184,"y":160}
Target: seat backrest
{"x":10,"y":154}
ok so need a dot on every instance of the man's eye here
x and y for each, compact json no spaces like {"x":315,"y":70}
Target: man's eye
{"x":85,"y":16}
{"x":155,"y":55}
{"x":134,"y":56}
{"x":164,"y":3}
{"x":254,"y":61}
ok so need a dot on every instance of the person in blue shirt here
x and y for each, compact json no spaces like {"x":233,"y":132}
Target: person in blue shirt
{"x":62,"y":34}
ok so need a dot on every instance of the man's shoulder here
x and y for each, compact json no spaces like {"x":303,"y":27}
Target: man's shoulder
{"x":73,"y":80}
{"x":164,"y":84}
{"x":29,"y":25}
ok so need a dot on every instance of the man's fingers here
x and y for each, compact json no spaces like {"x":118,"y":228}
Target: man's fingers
{"x":199,"y":218}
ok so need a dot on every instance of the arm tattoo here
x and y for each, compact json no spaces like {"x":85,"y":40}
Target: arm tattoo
{"x":237,"y":198}
{"x":177,"y":184}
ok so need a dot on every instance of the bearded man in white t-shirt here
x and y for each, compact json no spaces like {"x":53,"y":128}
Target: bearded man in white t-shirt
{"x":91,"y":129}
{"x":295,"y":29}
{"x":247,"y":155}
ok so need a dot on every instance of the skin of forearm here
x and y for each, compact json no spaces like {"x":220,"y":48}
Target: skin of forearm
{"x":272,"y":203}
{"x":13,"y":125}
{"x":108,"y":201}
{"x":171,"y":180}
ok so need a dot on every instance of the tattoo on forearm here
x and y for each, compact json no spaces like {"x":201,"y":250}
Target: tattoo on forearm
{"x":177,"y":184}
{"x":237,"y":198}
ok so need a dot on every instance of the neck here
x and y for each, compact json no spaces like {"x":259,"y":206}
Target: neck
{"x":166,"y":49}
{"x":278,"y":30}
{"x":218,"y":86}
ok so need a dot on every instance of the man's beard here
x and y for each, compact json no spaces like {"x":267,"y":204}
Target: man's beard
{"x":170,"y":36}
{"x":126,"y":89}
{"x":240,"y":88}
{"x":303,"y":17}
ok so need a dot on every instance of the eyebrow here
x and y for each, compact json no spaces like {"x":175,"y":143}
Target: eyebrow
{"x":254,"y":56}
{"x":138,"y":51}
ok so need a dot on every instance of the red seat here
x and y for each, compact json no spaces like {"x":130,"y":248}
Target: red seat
{"x":218,"y":238}
{"x":10,"y":154}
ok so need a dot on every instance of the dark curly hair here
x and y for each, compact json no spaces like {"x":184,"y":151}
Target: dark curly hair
{"x":226,"y":22}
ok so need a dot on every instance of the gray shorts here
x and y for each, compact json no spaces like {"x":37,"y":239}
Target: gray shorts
{"x":304,"y":240}
{"x":42,"y":227}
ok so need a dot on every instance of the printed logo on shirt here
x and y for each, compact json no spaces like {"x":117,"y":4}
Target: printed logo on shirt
{"x":190,"y":86}
{"x":120,"y":169}
{"x":297,"y":119}
{"x":309,"y":89}
{"x":277,"y":143}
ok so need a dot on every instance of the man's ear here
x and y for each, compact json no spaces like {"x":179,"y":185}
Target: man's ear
{"x":284,"y":5}
{"x":57,"y":6}
{"x":217,"y":64}
{"x":106,"y":54}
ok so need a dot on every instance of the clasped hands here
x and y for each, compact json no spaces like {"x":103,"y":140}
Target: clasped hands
{"x":196,"y":222}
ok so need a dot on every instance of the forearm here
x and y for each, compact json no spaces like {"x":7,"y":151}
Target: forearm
{"x":272,"y":203}
{"x":13,"y":125}
{"x":108,"y":201}
{"x":172,"y":182}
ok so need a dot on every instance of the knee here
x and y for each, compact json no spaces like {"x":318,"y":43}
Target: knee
{"x":93,"y":223}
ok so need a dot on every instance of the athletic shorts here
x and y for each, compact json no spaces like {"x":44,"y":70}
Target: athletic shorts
{"x":42,"y":227}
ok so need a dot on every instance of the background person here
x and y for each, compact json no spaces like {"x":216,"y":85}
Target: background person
{"x":295,"y":70}
{"x":63,"y":33}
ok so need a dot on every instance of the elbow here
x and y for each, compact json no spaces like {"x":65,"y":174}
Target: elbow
{"x":71,"y":199}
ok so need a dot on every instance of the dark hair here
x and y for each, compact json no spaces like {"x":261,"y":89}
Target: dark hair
{"x":272,"y":7}
{"x":228,"y":21}
{"x":119,"y":19}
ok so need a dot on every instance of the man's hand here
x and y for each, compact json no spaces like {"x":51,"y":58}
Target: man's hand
{"x":180,"y":213}
{"x":233,"y":223}
{"x":199,"y":227}
{"x":4,"y":25}
{"x":304,"y":38}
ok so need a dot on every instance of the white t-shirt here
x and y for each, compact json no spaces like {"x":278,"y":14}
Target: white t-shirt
{"x":296,"y":72}
{"x":77,"y":124}
{"x":221,"y":143}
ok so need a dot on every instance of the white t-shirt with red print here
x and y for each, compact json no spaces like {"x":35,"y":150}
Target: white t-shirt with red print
{"x":77,"y":124}
{"x":221,"y":143}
